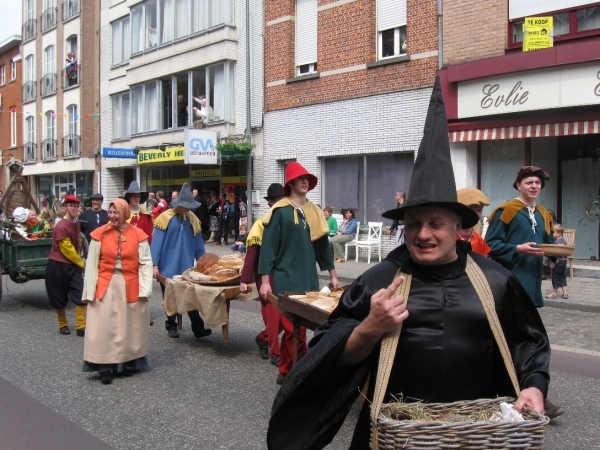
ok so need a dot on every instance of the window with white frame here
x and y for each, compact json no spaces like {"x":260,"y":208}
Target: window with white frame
{"x":29,"y":68}
{"x":391,"y":28}
{"x":72,"y":119}
{"x":121,"y":41}
{"x":13,"y":126}
{"x":29,"y":10}
{"x":71,"y":44}
{"x":121,"y":119}
{"x":30,"y":121}
{"x":2,"y":74}
{"x":50,"y":60}
{"x":144,"y":108}
{"x":50,"y":125}
{"x":157,"y":22}
{"x":306,"y":36}
{"x":13,"y":70}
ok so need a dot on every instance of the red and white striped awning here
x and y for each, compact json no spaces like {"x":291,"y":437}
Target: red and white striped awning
{"x":527,"y":131}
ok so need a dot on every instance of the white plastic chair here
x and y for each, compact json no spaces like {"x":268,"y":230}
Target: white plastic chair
{"x":373,"y":240}
{"x":352,"y":242}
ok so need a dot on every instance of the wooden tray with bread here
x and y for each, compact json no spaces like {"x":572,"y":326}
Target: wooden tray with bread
{"x":212,"y":270}
{"x":310,"y":308}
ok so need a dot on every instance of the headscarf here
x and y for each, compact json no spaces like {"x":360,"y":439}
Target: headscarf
{"x":123,"y":207}
{"x":20,"y":214}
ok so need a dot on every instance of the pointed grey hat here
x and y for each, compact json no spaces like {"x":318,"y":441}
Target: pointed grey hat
{"x":134,"y":188}
{"x":432,"y":182}
{"x":185,"y":198}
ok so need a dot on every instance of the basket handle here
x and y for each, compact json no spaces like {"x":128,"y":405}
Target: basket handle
{"x":389,"y":342}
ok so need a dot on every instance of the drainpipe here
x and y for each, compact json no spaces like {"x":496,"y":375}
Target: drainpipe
{"x":248,"y":123}
{"x":440,"y":34}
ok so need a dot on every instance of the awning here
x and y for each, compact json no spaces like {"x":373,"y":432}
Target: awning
{"x":527,"y":131}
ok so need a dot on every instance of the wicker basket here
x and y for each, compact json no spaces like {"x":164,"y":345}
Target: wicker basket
{"x":407,"y":434}
{"x":16,"y":198}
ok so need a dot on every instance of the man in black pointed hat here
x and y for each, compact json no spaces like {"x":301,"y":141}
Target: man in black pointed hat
{"x":446,"y":349}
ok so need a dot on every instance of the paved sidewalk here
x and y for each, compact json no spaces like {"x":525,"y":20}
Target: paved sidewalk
{"x":584,"y":293}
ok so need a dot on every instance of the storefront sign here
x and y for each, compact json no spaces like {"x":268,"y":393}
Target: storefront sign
{"x":208,"y":173}
{"x":200,"y":146}
{"x":156,"y":155}
{"x":110,"y":152}
{"x":167,"y":182}
{"x":537,"y":33}
{"x":567,"y":86}
{"x":235,"y":180}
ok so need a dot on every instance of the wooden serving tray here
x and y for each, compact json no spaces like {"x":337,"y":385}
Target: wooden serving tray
{"x":309,"y":316}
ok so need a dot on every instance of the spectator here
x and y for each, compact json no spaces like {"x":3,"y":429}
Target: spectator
{"x":331,"y":222}
{"x":161,"y":205}
{"x":345,"y":233}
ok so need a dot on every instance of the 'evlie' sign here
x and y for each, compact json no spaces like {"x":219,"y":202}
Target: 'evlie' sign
{"x":559,"y":87}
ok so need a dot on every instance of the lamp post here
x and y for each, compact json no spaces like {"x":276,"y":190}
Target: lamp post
{"x":248,"y":123}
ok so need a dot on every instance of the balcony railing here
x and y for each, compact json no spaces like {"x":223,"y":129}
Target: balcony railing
{"x":29,"y":152}
{"x":28,"y":31}
{"x":48,"y":86}
{"x":29,"y":91}
{"x":70,"y":9}
{"x":49,"y":149}
{"x":71,"y":145}
{"x":48,"y":19}
{"x":71,"y":76}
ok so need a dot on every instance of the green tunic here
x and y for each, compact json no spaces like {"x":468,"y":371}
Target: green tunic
{"x":503,"y":240}
{"x":289,"y":256}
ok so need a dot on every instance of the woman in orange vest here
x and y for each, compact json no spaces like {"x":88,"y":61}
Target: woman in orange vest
{"x":118,"y":281}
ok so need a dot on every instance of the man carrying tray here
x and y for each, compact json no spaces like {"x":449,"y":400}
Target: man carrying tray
{"x":177,"y":241}
{"x":295,"y":238}
{"x":446,"y":350}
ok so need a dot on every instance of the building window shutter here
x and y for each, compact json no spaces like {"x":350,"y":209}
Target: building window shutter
{"x":306,"y":32}
{"x":390,"y":14}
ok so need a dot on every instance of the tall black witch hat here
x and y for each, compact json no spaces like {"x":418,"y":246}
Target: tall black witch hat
{"x":432,"y":182}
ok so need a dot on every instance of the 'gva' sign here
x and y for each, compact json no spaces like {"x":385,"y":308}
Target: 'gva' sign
{"x":200,"y":147}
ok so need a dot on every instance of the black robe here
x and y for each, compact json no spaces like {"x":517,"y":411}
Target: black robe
{"x":446,"y":350}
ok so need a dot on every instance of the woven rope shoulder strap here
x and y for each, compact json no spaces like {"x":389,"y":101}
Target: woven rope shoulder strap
{"x":390,"y":340}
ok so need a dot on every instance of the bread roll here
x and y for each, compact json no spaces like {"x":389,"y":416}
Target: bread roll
{"x":224,"y":274}
{"x":211,"y":270}
{"x":197,"y":276}
{"x":230,"y":263}
{"x":205,"y":261}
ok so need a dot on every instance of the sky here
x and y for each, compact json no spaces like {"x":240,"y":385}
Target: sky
{"x":11,"y":18}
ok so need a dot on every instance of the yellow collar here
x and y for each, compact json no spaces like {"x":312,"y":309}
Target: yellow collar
{"x":314,"y":217}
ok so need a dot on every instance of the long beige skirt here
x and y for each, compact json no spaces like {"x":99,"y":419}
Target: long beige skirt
{"x":116,"y":331}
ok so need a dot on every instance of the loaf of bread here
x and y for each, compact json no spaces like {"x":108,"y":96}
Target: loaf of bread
{"x":205,"y":261}
{"x":211,"y":270}
{"x":224,"y":274}
{"x":230,"y":262}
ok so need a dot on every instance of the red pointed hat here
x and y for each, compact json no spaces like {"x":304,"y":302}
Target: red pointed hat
{"x":296,"y":170}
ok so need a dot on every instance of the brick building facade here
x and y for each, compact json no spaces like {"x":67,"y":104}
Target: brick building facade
{"x":60,"y":92}
{"x":354,"y":115}
{"x":11,"y":107}
{"x":507,"y":108}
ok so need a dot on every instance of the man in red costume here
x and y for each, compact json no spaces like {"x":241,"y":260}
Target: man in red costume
{"x":63,"y":272}
{"x":140,"y":218}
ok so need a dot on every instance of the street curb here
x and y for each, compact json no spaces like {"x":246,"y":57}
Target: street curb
{"x":572,"y":306}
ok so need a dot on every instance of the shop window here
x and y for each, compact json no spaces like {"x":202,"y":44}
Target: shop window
{"x":345,"y":183}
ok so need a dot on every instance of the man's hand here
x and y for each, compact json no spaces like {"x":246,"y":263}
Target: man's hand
{"x":530,"y":249}
{"x":265,"y":288}
{"x":531,"y":397}
{"x":243,"y":288}
{"x":334,"y":279}
{"x":387,"y":312}
{"x":155,"y":271}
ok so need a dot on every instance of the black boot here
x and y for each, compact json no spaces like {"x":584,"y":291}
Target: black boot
{"x":106,"y":377}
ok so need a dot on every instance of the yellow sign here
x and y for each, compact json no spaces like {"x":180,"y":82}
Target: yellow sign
{"x":156,"y":155}
{"x":206,"y":173}
{"x":167,"y":182}
{"x":234,"y":180}
{"x":537,"y":33}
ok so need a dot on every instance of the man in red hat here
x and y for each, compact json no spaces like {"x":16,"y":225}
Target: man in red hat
{"x":295,"y":238}
{"x":64,"y":280}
